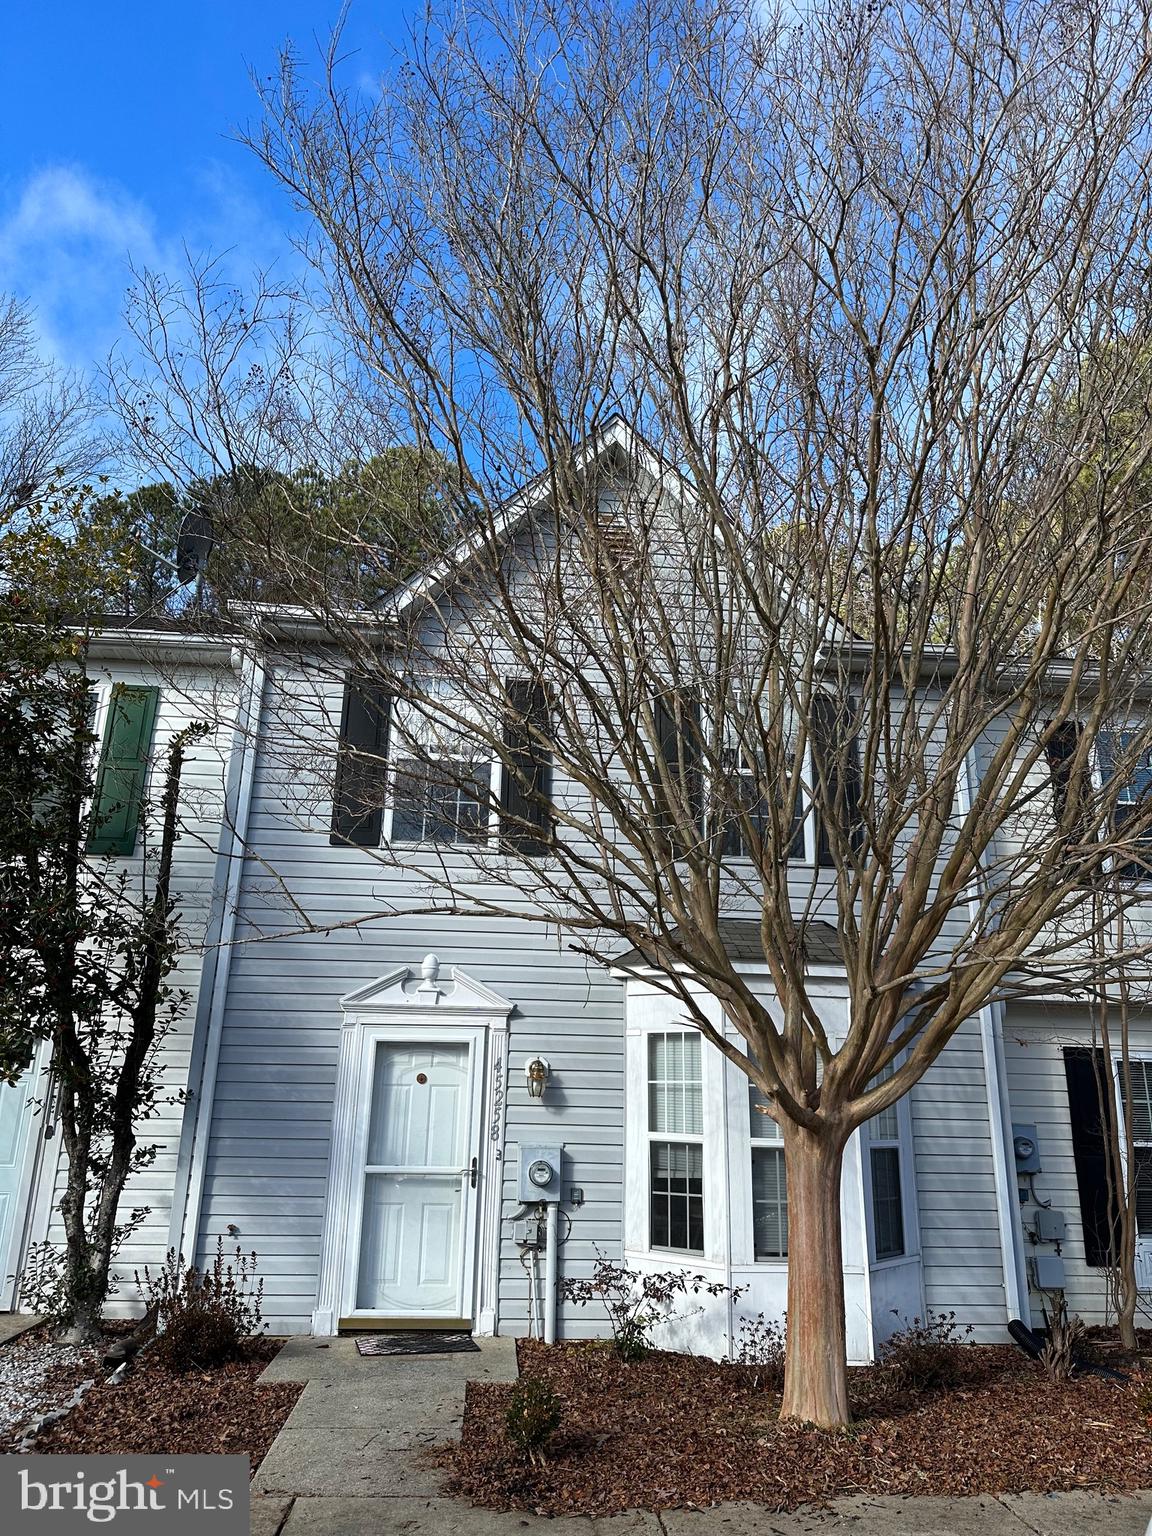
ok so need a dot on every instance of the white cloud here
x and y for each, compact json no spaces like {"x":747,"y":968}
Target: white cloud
{"x":68,"y":241}
{"x":65,"y":245}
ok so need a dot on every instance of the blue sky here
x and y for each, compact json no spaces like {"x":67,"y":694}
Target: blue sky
{"x":115,"y":124}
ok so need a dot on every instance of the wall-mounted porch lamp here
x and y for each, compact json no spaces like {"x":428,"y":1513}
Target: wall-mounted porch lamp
{"x":537,"y":1072}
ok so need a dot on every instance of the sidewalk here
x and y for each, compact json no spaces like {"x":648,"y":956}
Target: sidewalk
{"x":348,"y":1463}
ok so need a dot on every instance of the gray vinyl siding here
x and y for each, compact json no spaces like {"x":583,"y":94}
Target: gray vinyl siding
{"x":271,"y":1133}
{"x":956,"y":1188}
{"x":1034,"y":1041}
{"x":186,"y":695}
{"x":270,"y":1141}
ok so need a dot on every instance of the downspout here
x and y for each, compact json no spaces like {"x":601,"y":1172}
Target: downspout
{"x":1000,"y":1123}
{"x":210,"y":1003}
{"x":550,"y":1256}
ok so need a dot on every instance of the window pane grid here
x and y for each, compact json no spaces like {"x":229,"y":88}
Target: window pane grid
{"x":428,"y":807}
{"x":1138,"y":1103}
{"x":886,"y":1125}
{"x":675,"y":1087}
{"x":769,"y":1203}
{"x":677,"y":1196}
{"x":1142,"y":1159}
{"x":761,"y":1126}
{"x":887,"y":1202}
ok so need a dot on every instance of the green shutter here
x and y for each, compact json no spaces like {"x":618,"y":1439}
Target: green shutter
{"x":123,"y":769}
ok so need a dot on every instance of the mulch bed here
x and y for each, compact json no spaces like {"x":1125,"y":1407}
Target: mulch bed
{"x":673,"y":1431}
{"x":153,"y":1411}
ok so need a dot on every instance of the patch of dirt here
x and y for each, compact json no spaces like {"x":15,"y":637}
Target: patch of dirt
{"x":224,"y":1411}
{"x":673,"y":1431}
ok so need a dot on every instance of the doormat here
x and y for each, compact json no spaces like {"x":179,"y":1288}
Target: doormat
{"x":418,"y":1342}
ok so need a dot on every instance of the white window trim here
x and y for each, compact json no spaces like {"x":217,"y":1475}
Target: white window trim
{"x":674,"y":1138}
{"x":1145,"y":1057}
{"x":1143,"y":1243}
{"x":808,"y":822}
{"x":637,"y":1155}
{"x":908,"y":1206}
{"x":400,"y":749}
{"x":1097,"y":782}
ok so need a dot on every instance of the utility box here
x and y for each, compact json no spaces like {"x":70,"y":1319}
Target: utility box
{"x":1050,"y":1226}
{"x":540,"y":1172}
{"x":1026,"y":1146}
{"x":1047,"y":1272}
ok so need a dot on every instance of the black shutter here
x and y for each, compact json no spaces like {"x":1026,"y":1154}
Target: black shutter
{"x":1086,"y":1073}
{"x":678,"y":734}
{"x":361,"y":764}
{"x":1060,"y":751}
{"x":836,"y":766}
{"x":526,"y":820}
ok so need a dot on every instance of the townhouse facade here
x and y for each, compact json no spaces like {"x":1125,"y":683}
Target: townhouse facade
{"x":415,"y":1118}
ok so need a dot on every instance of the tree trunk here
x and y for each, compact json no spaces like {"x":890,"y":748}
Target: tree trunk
{"x":816,"y":1367}
{"x":1126,"y":1315}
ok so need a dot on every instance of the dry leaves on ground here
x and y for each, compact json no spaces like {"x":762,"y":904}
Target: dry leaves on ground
{"x":671,"y":1431}
{"x":225,"y":1411}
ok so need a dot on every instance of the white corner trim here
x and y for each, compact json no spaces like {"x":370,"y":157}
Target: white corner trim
{"x":211,"y":1001}
{"x":991,"y":1015}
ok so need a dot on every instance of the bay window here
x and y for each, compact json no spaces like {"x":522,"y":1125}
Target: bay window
{"x":675,"y":1142}
{"x":769,"y":1181}
{"x":886,"y":1179}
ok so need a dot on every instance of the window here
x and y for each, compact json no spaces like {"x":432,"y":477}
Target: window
{"x":1118,"y":754}
{"x":676,"y":1142}
{"x":745,"y":787}
{"x":440,"y":802}
{"x":1136,"y":1097}
{"x":887,"y":1185}
{"x":769,"y":1181}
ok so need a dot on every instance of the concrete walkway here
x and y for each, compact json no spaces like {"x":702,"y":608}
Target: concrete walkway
{"x":348,"y":1463}
{"x":13,"y":1324}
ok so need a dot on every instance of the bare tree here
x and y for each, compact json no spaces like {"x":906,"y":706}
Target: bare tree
{"x":764,"y":353}
{"x":48,"y":418}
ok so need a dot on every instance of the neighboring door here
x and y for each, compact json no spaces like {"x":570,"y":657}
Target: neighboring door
{"x":419,"y":1176}
{"x":15,"y":1120}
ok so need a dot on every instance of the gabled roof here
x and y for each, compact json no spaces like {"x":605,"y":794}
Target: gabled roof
{"x":615,"y":444}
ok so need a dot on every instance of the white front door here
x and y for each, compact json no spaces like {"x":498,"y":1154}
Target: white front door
{"x":419,"y":1177}
{"x":15,"y":1139}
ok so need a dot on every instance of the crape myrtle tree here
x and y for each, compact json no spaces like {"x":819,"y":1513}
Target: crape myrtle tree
{"x":758,"y":346}
{"x":87,"y":945}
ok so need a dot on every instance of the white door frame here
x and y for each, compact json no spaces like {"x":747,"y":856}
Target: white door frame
{"x":397,"y":1008}
{"x":1143,"y":1254}
{"x":472,"y":1038}
{"x":12,"y":1252}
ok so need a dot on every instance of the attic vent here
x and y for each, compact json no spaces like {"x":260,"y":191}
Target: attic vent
{"x":619,"y":545}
